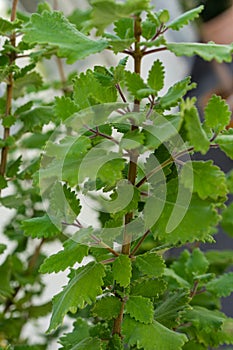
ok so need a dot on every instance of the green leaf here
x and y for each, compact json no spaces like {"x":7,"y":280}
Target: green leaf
{"x":149,"y":288}
{"x":197,"y":223}
{"x":230,"y":181}
{"x":105,"y":12}
{"x":124,"y":28}
{"x":8,"y":121}
{"x":82,"y":289}
{"x":221,"y":286}
{"x":150,"y":264}
{"x":214,"y":188}
{"x":5,"y":271}
{"x":227,"y":219}
{"x":46,"y":29}
{"x":168,"y":311}
{"x":13,"y":167}
{"x":3,"y":182}
{"x":72,"y":253}
{"x":40,"y":227}
{"x":132,"y":139}
{"x":36,"y":118}
{"x":197,"y":136}
{"x":6,"y":27}
{"x":2,"y":248}
{"x":37,"y":311}
{"x":217,"y":114}
{"x":121,"y":269}
{"x":148,"y":29}
{"x":197,"y":264}
{"x":185,"y":18}
{"x":28,"y":83}
{"x":140,"y":308}
{"x":156,"y":76}
{"x":202,"y":318}
{"x":225,"y":142}
{"x":151,"y":336}
{"x":107,"y":308}
{"x":135,"y":83}
{"x":210,"y":51}
{"x":64,"y":107}
{"x":175,"y":93}
{"x":79,"y":18}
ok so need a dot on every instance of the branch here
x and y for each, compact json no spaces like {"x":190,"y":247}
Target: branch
{"x":104,"y":245}
{"x":154,"y":51}
{"x":139,"y":243}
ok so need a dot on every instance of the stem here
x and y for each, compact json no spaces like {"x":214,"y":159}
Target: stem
{"x":33,"y":260}
{"x":104,"y":245}
{"x":132,"y":172}
{"x":9,"y":93}
{"x":154,"y":50}
{"x":140,"y":243}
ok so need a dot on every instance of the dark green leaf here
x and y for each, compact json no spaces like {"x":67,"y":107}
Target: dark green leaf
{"x":40,"y":227}
{"x":107,"y":308}
{"x":64,"y":107}
{"x":156,"y":76}
{"x":221,"y":286}
{"x":149,"y":288}
{"x":13,"y":167}
{"x":122,"y":270}
{"x":140,"y":308}
{"x":150,"y":264}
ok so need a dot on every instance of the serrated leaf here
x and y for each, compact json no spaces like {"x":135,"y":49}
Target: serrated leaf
{"x":197,"y":136}
{"x":185,"y":18}
{"x":36,"y":118}
{"x":197,"y":264}
{"x":156,"y":76}
{"x":107,"y":308}
{"x":124,"y":28}
{"x":149,"y":288}
{"x":40,"y":227}
{"x":210,"y":51}
{"x":225,"y":142}
{"x":140,"y":308}
{"x":134,"y":83}
{"x":221,"y":286}
{"x":168,"y":310}
{"x":214,"y":188}
{"x":13,"y":167}
{"x":106,"y":12}
{"x":64,"y":107}
{"x":72,"y":253}
{"x":202,"y":318}
{"x":46,"y":29}
{"x":150,"y":264}
{"x":82,"y":289}
{"x":28,"y":83}
{"x":151,"y":336}
{"x":122,"y":270}
{"x":175,"y":93}
{"x":217,"y":114}
{"x":196,"y":224}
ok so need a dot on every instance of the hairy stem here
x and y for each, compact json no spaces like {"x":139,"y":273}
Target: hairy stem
{"x":9,"y":93}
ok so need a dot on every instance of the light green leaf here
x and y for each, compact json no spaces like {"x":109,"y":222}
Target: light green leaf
{"x":122,"y":270}
{"x":40,"y":227}
{"x":107,"y":308}
{"x":214,"y":188}
{"x":106,"y":12}
{"x":168,"y":311}
{"x":175,"y":93}
{"x":217,"y":114}
{"x":124,"y":28}
{"x":72,"y":44}
{"x":64,"y":107}
{"x":151,"y":336}
{"x":150,"y":264}
{"x":140,"y":308}
{"x":156,"y":76}
{"x":148,"y":29}
{"x":221,"y":286}
{"x":82,"y":289}
{"x":149,"y":288}
{"x":230,"y":181}
{"x":202,"y":318}
{"x":197,"y":264}
{"x":79,"y":18}
{"x":210,"y":51}
{"x":6,"y":27}
{"x":197,"y":136}
{"x":197,"y":223}
{"x":135,"y":84}
{"x":225,"y":142}
{"x":227,"y":219}
{"x":132,"y":139}
{"x":185,"y":18}
{"x":72,"y":253}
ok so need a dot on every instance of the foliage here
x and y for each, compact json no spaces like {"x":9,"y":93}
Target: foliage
{"x":110,"y":139}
